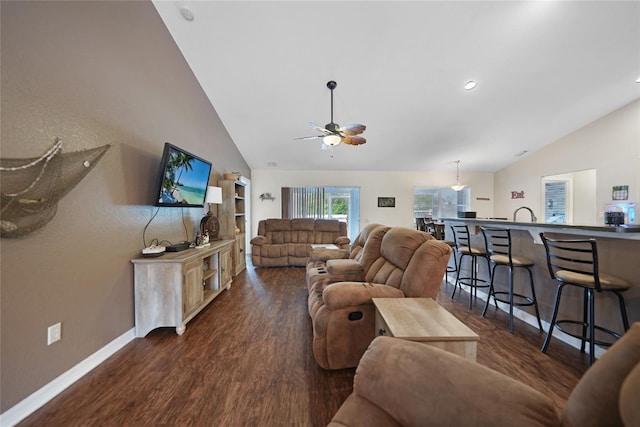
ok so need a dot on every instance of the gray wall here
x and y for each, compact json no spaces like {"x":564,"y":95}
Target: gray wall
{"x":91,"y":73}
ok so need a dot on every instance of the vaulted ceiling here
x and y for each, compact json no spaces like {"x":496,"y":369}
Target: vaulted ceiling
{"x":543,"y":69}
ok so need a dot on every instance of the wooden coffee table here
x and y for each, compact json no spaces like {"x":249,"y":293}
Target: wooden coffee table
{"x":423,"y":320}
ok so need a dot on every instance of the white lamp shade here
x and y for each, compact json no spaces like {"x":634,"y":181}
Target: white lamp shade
{"x":214,"y":195}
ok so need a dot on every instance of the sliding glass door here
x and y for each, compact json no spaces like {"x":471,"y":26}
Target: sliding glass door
{"x":343,"y":203}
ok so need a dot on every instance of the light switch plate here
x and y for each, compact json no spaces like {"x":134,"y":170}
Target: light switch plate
{"x":54,"y":333}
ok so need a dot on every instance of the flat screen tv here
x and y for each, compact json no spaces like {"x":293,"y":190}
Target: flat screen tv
{"x":183,"y":179}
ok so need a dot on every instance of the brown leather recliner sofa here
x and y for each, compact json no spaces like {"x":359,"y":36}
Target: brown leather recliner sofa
{"x":287,"y":242}
{"x":404,"y":383}
{"x":396,"y":262}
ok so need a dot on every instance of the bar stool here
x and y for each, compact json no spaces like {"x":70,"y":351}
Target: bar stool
{"x":430,"y":227}
{"x":498,"y":246}
{"x":451,"y":269}
{"x":433,"y":230}
{"x":462,"y":241}
{"x":575,"y":263}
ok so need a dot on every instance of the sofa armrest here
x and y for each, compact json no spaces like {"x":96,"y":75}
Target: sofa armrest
{"x":323,"y":254}
{"x":421,"y":385}
{"x":259,"y":240}
{"x":345,"y":270}
{"x":350,"y":294}
{"x":342,"y":240}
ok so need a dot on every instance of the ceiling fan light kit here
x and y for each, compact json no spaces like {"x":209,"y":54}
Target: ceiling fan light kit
{"x":332,"y":140}
{"x":333,"y":134}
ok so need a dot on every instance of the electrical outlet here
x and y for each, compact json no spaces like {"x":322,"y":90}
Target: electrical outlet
{"x":54,"y":333}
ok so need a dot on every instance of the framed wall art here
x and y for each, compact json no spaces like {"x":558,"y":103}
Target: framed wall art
{"x":386,"y":202}
{"x":620,"y":192}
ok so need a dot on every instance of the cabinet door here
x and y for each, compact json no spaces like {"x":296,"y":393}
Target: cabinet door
{"x":192,"y":292}
{"x":226,"y":268}
{"x":240,"y":254}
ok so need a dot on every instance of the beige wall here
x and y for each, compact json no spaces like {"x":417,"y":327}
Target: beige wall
{"x":372,"y":185}
{"x":611,"y":145}
{"x":91,"y":73}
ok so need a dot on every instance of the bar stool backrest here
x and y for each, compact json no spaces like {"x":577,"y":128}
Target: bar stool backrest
{"x":461,"y":236}
{"x":575,"y":255}
{"x":497,"y":241}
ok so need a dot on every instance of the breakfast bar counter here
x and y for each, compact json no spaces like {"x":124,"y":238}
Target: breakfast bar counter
{"x":609,"y":231}
{"x":618,"y":254}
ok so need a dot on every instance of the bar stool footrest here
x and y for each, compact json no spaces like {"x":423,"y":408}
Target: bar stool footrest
{"x":586,"y":338}
{"x":529,"y":300}
{"x":467,"y":281}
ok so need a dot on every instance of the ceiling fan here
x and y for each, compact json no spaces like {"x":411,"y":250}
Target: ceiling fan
{"x":333,"y":134}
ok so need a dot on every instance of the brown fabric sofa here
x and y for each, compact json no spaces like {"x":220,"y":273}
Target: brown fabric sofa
{"x":404,"y":383}
{"x":287,"y":242}
{"x":395,"y":262}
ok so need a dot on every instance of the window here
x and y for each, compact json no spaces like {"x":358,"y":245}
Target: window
{"x":439,"y":202}
{"x":556,"y":201}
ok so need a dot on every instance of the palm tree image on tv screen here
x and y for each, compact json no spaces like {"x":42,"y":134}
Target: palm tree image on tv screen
{"x":185,"y":180}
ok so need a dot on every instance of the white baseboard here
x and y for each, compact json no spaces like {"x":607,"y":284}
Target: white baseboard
{"x":533,"y":321}
{"x":37,"y":399}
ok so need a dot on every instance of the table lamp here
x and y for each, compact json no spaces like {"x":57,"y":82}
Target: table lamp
{"x":209,"y":224}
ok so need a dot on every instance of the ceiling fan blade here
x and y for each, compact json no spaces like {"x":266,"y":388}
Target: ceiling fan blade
{"x":353,"y":129}
{"x":306,"y":138}
{"x":318,"y":127}
{"x":354,"y":140}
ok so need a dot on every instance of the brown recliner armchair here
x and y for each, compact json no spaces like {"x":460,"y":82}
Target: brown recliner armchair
{"x":396,"y":262}
{"x":317,"y":265}
{"x":404,"y":383}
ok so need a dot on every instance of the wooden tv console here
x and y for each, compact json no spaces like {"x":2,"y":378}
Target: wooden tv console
{"x":171,"y":289}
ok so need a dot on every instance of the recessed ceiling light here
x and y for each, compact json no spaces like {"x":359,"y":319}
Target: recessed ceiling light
{"x":470,"y":85}
{"x":638,"y":80}
{"x":186,"y":13}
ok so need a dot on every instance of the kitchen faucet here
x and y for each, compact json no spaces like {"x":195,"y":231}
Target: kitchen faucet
{"x":533,"y":217}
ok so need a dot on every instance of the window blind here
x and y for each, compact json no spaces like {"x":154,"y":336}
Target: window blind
{"x":303,"y":202}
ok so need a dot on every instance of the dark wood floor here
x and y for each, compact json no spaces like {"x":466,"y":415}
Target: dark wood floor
{"x":247,"y":360}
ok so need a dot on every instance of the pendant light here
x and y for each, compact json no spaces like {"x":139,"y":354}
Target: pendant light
{"x":458,"y":186}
